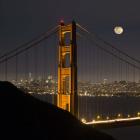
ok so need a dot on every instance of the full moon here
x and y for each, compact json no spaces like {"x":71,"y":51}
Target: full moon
{"x":118,"y":30}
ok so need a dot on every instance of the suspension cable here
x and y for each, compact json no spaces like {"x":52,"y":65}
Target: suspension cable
{"x":29,"y":42}
{"x":27,"y":47}
{"x":111,"y":53}
{"x":107,"y":43}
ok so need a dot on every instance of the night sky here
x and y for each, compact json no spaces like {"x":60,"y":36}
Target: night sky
{"x":21,"y":20}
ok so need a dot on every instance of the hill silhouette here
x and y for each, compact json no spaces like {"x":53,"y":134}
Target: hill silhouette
{"x":25,"y":117}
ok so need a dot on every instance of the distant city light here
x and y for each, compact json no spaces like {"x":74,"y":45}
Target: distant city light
{"x":107,"y":118}
{"x":98,"y":117}
{"x":119,"y":115}
{"x":83,"y":120}
{"x":138,"y":113}
{"x":128,"y":116}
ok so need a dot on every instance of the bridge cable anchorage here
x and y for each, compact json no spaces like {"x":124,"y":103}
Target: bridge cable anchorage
{"x":107,"y":43}
{"x":109,"y":52}
{"x":27,"y":46}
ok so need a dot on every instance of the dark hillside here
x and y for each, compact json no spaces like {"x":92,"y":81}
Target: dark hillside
{"x":24,"y":117}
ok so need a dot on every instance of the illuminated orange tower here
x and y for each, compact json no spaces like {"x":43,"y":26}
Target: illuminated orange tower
{"x":67,"y":68}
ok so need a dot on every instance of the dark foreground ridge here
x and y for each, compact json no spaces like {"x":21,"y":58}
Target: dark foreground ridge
{"x":24,"y":117}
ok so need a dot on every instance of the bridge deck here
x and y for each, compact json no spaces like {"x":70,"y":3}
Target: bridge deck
{"x":115,"y":123}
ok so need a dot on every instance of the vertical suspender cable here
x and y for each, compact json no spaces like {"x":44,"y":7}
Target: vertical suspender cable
{"x":16,"y":69}
{"x":6,"y":68}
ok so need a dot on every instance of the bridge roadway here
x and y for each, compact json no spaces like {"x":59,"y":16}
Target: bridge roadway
{"x":114,"y":123}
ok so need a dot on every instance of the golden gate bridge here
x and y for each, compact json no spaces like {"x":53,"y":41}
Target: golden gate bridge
{"x":82,"y":73}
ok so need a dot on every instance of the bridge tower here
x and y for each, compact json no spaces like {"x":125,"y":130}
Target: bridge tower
{"x":67,"y":98}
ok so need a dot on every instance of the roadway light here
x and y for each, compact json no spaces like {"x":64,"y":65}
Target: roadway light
{"x":83,"y":120}
{"x":107,"y":118}
{"x":138,"y":113}
{"x":98,"y":117}
{"x":119,"y":115}
{"x":128,"y":116}
{"x":93,"y":120}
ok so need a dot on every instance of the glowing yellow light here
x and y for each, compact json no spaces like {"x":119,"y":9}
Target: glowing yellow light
{"x":98,"y":117}
{"x":138,"y":113}
{"x":119,"y":115}
{"x":113,"y":120}
{"x":128,"y":115}
{"x":107,"y":118}
{"x":83,"y":120}
{"x":93,"y":120}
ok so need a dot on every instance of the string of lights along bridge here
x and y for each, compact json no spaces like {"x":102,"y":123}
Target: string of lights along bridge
{"x":78,"y":71}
